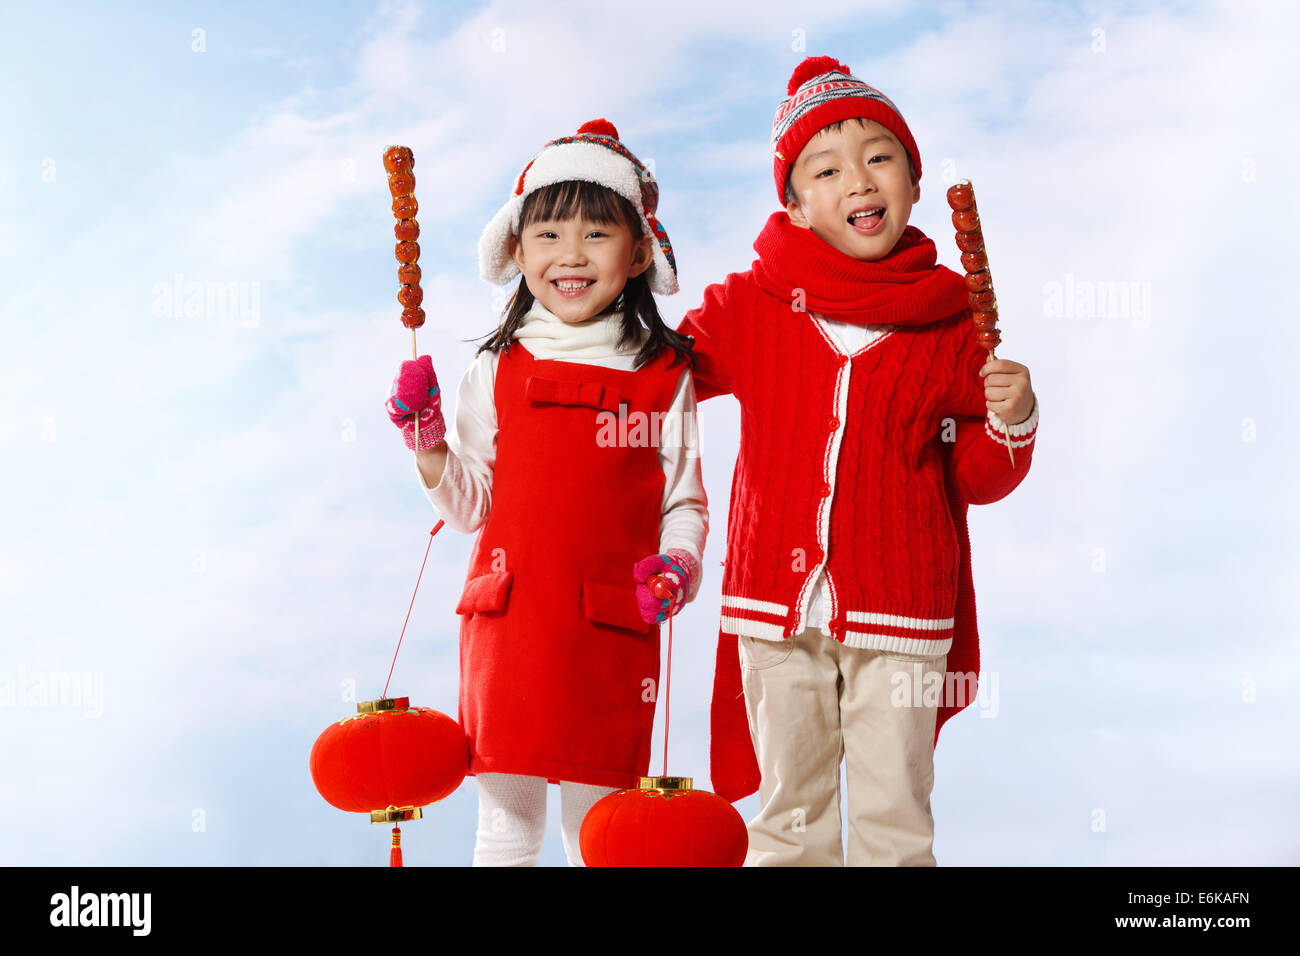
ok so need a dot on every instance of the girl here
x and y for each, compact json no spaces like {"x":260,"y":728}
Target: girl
{"x":578,"y":499}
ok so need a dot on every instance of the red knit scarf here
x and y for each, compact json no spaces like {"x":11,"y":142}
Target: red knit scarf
{"x":903,"y":288}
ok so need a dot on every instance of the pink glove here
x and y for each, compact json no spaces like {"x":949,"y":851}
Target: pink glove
{"x":678,"y":568}
{"x":415,"y":391}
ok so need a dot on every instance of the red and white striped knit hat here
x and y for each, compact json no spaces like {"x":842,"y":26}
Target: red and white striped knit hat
{"x":822,"y":91}
{"x":593,"y":155}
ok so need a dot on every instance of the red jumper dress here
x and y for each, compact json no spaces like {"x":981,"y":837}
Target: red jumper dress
{"x":558,"y":671}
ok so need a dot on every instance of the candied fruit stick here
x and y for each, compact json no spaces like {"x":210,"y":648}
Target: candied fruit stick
{"x":399,"y":162}
{"x":979,"y":279}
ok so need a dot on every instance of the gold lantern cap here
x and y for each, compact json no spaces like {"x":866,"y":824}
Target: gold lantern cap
{"x":665,"y":784}
{"x":383,"y":704}
{"x":395,"y":814}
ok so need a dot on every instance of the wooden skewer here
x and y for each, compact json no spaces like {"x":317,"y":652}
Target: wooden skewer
{"x":1005,"y":430}
{"x":415,"y":355}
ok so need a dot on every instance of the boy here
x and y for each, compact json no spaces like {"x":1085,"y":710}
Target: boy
{"x":871,"y":418}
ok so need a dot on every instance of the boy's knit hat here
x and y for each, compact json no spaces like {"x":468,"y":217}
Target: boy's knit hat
{"x":593,"y":155}
{"x":823,"y":91}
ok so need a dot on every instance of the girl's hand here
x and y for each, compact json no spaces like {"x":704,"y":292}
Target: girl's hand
{"x":415,"y":392}
{"x":676,"y":566}
{"x":1007,"y":391}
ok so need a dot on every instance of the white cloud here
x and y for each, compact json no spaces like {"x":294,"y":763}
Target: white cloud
{"x":180,"y":435}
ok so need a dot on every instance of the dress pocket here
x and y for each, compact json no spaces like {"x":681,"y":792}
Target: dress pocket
{"x":612,"y":605}
{"x":487,"y":593}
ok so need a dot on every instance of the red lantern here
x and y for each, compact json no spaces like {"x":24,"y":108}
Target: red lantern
{"x":389,"y":760}
{"x":664,"y":822}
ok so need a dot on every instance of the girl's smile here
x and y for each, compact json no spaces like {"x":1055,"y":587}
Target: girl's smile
{"x":577,"y":267}
{"x":572,"y":286}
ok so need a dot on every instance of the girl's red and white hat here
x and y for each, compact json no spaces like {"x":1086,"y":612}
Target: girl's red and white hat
{"x":594,"y":154}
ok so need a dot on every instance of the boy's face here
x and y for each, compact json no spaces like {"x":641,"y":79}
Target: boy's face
{"x":844,"y":172}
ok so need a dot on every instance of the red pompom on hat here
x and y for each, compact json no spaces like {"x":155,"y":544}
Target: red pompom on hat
{"x":822,"y":91}
{"x":812,"y":68}
{"x":598,"y":127}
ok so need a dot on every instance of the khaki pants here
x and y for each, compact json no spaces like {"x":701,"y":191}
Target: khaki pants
{"x":813,"y":701}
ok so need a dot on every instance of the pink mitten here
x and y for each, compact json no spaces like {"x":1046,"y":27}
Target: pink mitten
{"x":677,"y":567}
{"x":415,"y":392}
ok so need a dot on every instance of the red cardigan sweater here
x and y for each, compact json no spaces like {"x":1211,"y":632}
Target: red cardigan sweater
{"x":864,"y":464}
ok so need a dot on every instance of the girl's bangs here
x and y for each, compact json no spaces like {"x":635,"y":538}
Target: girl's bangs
{"x":569,"y":200}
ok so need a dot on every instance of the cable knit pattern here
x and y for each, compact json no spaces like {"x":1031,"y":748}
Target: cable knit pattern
{"x":871,"y":459}
{"x":843,"y":454}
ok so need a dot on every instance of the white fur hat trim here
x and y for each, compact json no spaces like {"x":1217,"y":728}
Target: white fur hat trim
{"x":583,"y":161}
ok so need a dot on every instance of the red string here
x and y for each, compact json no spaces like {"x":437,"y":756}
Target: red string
{"x":412,"y":604}
{"x":668,"y":684}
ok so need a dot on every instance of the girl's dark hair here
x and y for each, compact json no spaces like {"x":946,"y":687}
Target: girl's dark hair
{"x":565,"y":200}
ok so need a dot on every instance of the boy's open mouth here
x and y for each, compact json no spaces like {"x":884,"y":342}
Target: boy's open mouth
{"x":868,"y":220}
{"x":572,"y":288}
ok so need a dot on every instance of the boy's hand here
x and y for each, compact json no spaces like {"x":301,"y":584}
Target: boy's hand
{"x":1007,"y":391}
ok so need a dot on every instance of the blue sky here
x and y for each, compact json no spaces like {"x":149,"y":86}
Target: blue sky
{"x":211,"y":517}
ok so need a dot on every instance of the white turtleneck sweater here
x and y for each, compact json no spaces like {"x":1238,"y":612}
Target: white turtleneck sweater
{"x":463,"y":498}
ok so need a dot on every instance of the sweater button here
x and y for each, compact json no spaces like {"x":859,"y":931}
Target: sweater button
{"x":836,"y":626}
{"x":842,"y":361}
{"x":825,"y":490}
{"x":833,"y":424}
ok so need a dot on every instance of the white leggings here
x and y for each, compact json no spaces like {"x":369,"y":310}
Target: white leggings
{"x":512,"y":818}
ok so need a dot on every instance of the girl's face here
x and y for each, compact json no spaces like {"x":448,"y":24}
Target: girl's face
{"x":577,"y":267}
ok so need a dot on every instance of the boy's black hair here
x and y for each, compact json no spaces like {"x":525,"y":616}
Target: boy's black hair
{"x":565,"y":200}
{"x":789,"y":190}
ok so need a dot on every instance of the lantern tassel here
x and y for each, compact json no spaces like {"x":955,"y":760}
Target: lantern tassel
{"x":395,"y":855}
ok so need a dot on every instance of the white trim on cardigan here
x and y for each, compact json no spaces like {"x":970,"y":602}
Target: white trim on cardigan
{"x":750,"y":604}
{"x":861,"y":636}
{"x":819,"y":583}
{"x":851,"y":339}
{"x":993,"y":428}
